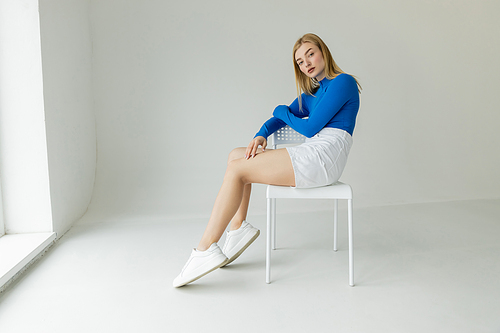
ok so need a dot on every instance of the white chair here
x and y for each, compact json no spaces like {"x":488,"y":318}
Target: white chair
{"x":287,"y":135}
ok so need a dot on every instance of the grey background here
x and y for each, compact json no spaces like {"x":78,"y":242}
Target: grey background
{"x":177,"y":85}
{"x":145,"y":99}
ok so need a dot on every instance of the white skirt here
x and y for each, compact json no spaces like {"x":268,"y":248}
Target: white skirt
{"x":320,"y":160}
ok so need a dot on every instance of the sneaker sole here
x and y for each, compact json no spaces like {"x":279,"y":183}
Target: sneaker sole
{"x":202,"y":275}
{"x":237,"y":254}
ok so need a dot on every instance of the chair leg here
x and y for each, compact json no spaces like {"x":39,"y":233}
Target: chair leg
{"x":351,"y":250}
{"x":335,"y":213}
{"x":268,"y":242}
{"x":273,"y":221}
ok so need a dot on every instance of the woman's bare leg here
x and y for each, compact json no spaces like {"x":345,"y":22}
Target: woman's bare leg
{"x":270,"y":167}
{"x":241,"y":213}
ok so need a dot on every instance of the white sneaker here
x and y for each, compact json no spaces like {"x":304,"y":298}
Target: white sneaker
{"x":238,"y":240}
{"x":200,"y":263}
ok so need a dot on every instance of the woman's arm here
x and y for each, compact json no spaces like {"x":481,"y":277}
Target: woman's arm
{"x":294,"y":108}
{"x":269,"y":127}
{"x":338,"y":93}
{"x":274,"y":124}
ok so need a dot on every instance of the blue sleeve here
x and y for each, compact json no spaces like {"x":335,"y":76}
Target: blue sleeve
{"x":274,"y":124}
{"x":339,"y":91}
{"x":294,"y":108}
{"x":269,"y":127}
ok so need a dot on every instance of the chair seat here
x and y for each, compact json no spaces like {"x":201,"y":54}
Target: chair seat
{"x":335,"y":191}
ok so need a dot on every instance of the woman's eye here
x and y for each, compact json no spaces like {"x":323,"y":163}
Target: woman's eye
{"x":300,"y":63}
{"x":310,"y":54}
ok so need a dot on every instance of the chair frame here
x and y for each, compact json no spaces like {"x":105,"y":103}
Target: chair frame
{"x":287,"y":135}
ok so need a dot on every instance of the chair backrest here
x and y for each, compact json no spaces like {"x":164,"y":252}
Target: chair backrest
{"x":286,"y":135}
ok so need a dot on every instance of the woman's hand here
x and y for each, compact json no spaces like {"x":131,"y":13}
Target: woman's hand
{"x":254,"y":144}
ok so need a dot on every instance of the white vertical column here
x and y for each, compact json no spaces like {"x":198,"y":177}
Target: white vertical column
{"x":23,"y":141}
{"x":2,"y":229}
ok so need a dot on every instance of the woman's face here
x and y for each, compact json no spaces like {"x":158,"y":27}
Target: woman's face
{"x":310,"y":61}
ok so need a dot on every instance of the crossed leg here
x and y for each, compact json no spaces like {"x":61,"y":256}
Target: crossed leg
{"x":272,"y":167}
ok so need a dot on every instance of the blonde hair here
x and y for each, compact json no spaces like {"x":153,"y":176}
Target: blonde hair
{"x":332,"y":70}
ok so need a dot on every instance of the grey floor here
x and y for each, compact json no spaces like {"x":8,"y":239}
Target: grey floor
{"x":418,"y":268}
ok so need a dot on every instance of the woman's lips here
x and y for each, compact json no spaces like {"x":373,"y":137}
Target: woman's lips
{"x":311,"y":70}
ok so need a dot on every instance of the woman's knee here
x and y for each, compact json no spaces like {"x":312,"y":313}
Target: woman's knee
{"x":235,"y":154}
{"x":235,"y":171}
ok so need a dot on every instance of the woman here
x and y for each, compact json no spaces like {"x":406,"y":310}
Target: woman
{"x":325,"y":113}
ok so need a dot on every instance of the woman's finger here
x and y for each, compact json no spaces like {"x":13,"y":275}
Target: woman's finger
{"x":254,"y":148}
{"x":248,"y":152}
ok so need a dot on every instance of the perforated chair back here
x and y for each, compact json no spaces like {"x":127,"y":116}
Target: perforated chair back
{"x":286,"y":135}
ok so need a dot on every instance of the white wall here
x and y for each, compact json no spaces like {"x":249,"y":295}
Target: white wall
{"x":178,"y":84}
{"x":2,"y":226}
{"x":47,"y":124}
{"x":23,"y":149}
{"x":70,"y":120}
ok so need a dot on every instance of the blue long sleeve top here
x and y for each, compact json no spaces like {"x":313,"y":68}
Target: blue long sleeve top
{"x":334,"y":104}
